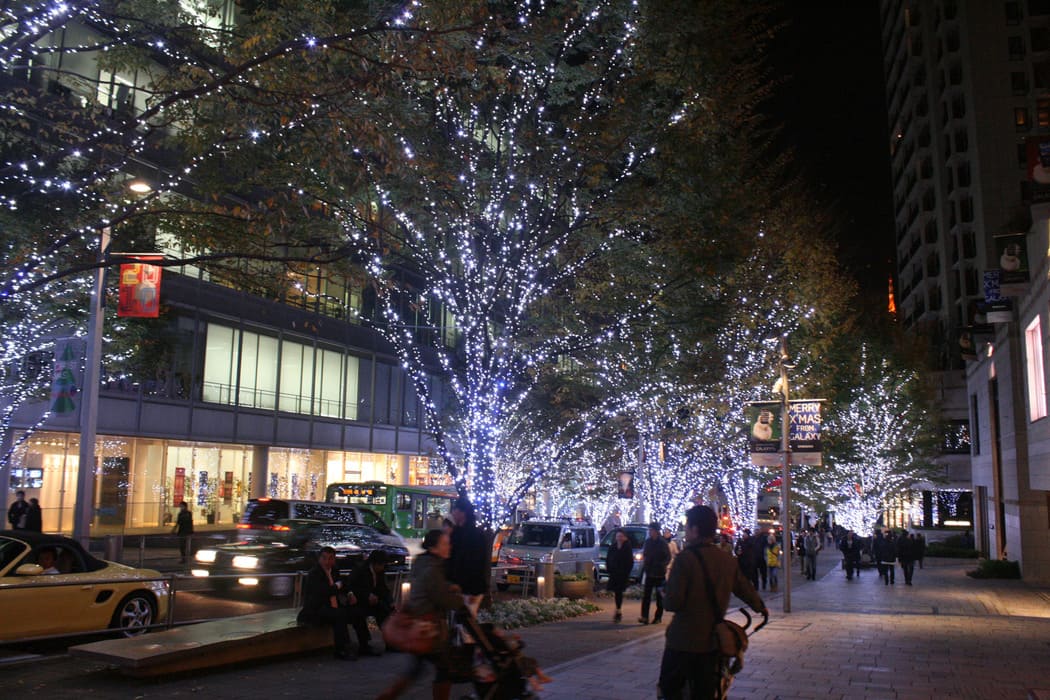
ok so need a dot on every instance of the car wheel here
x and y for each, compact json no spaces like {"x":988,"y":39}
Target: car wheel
{"x":134,"y":615}
{"x":502,"y":586}
{"x":280,"y":586}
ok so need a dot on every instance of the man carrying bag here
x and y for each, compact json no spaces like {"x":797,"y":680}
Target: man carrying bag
{"x":698,"y":593}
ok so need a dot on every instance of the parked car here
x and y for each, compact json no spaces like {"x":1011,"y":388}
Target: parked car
{"x":291,"y":546}
{"x":86,"y":595}
{"x":637,"y":534}
{"x":261,"y":514}
{"x":564,"y":543}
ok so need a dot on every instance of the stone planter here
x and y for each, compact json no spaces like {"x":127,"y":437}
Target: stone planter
{"x":572,"y":589}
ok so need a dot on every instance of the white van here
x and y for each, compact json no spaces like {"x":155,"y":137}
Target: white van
{"x":565,"y":544}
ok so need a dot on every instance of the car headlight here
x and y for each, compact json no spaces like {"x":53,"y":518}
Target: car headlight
{"x":206,"y":556}
{"x":245,"y":562}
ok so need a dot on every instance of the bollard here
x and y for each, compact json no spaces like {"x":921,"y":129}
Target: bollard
{"x":546,"y":571}
{"x":114,"y":548}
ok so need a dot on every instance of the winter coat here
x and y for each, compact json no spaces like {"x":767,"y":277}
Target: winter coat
{"x":656,"y":555}
{"x":618,"y":564}
{"x":467,"y":567}
{"x":686,"y":595}
{"x":850,"y":550}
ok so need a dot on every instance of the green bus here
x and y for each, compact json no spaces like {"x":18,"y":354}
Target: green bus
{"x":411,"y":510}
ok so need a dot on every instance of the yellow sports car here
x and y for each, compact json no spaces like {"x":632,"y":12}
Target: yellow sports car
{"x":50,"y":586}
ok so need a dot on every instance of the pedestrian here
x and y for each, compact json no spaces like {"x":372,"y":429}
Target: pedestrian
{"x":920,"y":548}
{"x":467,"y":565}
{"x":850,"y":549}
{"x":35,"y":516}
{"x":321,"y":605}
{"x":813,"y":546}
{"x":703,"y":572}
{"x":184,"y":529}
{"x":761,"y":568}
{"x":672,"y":548}
{"x":18,"y":512}
{"x":800,"y":551}
{"x":906,"y":556}
{"x":430,"y":593}
{"x":656,"y":555}
{"x":772,"y":561}
{"x":884,"y":550}
{"x":373,"y":598}
{"x":618,"y":564}
{"x":745,"y":556}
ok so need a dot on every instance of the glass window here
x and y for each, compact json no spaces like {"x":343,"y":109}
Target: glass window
{"x":1033,"y":336}
{"x":258,"y":388}
{"x":297,"y":371}
{"x":328,"y":384}
{"x":221,"y":358}
{"x":1015,"y":48}
{"x":1021,"y":118}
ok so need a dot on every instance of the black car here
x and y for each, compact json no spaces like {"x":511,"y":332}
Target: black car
{"x":292,"y":546}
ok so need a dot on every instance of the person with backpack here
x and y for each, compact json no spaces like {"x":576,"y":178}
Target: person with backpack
{"x":698,"y":591}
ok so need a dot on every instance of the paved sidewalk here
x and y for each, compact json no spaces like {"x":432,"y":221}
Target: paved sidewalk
{"x":948,"y":636}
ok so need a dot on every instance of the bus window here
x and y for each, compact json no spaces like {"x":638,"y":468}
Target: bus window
{"x":404,"y":501}
{"x":419,"y":511}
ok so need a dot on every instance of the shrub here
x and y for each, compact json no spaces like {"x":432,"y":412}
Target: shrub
{"x":533,"y":611}
{"x":996,"y":568}
{"x":571,"y":577}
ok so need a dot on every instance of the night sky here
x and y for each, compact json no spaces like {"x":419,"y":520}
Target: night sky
{"x":832,"y":111}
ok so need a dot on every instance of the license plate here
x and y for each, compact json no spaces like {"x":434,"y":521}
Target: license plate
{"x":513,"y":579}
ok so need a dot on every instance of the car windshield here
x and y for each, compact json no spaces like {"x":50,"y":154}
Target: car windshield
{"x":535,"y":535}
{"x":637,"y":538}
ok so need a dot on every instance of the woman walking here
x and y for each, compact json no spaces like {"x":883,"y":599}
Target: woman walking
{"x":431,"y":594}
{"x":772,"y":561}
{"x":618,"y":563}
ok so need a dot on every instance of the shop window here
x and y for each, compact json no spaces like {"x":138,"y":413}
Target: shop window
{"x":1021,"y":118}
{"x":1042,"y":113}
{"x":1035,"y":359}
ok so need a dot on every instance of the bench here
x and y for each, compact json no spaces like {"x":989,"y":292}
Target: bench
{"x":209,"y":644}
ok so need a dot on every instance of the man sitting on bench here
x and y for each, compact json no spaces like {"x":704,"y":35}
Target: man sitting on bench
{"x":322,"y":605}
{"x":368,"y":585}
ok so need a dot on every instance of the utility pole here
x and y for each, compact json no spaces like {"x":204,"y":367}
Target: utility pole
{"x":785,"y":475}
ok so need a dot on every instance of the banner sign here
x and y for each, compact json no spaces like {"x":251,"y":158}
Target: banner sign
{"x":765,"y":419}
{"x":1011,"y":250}
{"x":66,"y":380}
{"x":139,"y":291}
{"x":625,"y":485}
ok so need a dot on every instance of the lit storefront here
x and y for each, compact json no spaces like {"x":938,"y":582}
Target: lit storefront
{"x":139,"y":482}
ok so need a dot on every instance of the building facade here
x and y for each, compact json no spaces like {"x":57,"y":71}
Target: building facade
{"x":968,"y":96}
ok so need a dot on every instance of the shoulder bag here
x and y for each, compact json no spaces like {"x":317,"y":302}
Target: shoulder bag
{"x":412,"y":634}
{"x":729,"y":637}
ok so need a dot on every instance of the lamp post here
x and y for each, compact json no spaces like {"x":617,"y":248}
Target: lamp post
{"x":85,"y":503}
{"x":785,"y":474}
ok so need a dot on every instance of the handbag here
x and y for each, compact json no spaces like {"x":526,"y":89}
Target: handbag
{"x":729,"y":637}
{"x":413,"y":634}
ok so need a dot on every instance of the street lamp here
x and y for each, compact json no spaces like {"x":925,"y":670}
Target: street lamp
{"x":85,"y":502}
{"x":781,"y":387}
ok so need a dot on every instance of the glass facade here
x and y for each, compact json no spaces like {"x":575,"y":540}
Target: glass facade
{"x":139,"y":482}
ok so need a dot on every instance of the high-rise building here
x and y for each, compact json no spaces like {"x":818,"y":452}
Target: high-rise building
{"x":968,"y":94}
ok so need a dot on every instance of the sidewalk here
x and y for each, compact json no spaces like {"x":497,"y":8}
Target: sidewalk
{"x":948,"y":636}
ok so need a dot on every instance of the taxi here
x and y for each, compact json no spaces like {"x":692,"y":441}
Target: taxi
{"x":76,"y":593}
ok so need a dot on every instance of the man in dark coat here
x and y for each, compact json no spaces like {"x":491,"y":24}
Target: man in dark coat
{"x":850,"y":548}
{"x":884,"y":551}
{"x":321,"y":604}
{"x":35,"y":516}
{"x":656,"y":555}
{"x":690,"y":655}
{"x":368,"y":586}
{"x":184,"y":529}
{"x":745,"y":555}
{"x":761,"y":568}
{"x":18,"y":512}
{"x":906,"y":556}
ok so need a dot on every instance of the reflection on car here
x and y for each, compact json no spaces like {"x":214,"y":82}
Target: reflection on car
{"x":291,"y":546}
{"x":85,"y":595}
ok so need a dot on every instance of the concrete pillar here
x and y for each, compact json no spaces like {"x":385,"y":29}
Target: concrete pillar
{"x":260,"y":470}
